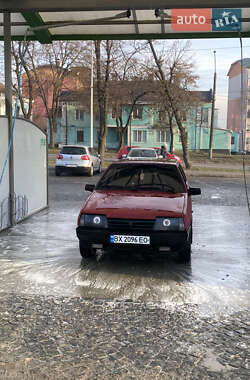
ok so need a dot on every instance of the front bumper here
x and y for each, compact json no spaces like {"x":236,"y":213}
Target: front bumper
{"x":158,"y":239}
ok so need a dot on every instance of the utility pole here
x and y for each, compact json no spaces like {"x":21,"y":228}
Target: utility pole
{"x":212,"y":113}
{"x":66,"y":124}
{"x":92,"y":98}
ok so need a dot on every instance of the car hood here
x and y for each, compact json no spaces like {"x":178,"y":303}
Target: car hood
{"x":131,"y":204}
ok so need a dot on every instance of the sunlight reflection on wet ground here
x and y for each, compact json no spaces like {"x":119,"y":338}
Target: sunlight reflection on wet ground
{"x":40,"y":256}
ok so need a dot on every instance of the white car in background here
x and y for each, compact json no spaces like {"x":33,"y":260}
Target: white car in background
{"x":142,"y":154}
{"x":78,"y":159}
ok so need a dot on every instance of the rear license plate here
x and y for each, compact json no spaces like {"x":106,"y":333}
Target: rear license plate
{"x":128,"y":239}
{"x":71,"y":166}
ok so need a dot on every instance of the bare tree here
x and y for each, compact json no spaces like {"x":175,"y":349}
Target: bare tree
{"x":165,"y":120}
{"x":175,"y":74}
{"x":46,"y":70}
{"x":103,"y":52}
{"x":17,"y":53}
{"x":116,"y":65}
{"x":129,"y":86}
{"x":126,"y":95}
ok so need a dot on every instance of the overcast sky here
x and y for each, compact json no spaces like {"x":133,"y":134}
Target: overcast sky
{"x":227,"y":52}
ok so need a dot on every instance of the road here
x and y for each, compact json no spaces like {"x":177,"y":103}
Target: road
{"x":63,"y":317}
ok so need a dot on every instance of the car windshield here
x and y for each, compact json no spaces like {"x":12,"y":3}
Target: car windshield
{"x":142,"y":153}
{"x":73,"y":150}
{"x":142,"y":177}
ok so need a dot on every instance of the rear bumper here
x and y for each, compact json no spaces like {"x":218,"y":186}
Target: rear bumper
{"x":65,"y":168}
{"x":158,"y":240}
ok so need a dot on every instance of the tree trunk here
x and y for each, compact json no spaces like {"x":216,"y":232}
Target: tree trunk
{"x":102,"y":95}
{"x":103,"y":107}
{"x":171,"y":146}
{"x":52,"y":129}
{"x":102,"y":132}
{"x":184,"y":142}
{"x":121,"y":135}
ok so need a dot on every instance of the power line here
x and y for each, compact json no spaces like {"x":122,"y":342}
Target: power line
{"x":219,"y":48}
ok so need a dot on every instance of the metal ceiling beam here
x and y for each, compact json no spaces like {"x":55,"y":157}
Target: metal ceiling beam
{"x":149,"y":36}
{"x":95,"y":5}
{"x":145,"y":36}
{"x":34,"y":19}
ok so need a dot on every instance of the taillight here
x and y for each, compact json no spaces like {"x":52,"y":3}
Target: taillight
{"x":170,"y":156}
{"x":60,"y":157}
{"x":85,"y":157}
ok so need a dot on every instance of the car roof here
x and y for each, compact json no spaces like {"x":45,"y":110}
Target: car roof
{"x":77,"y":146}
{"x":160,"y":161}
{"x":142,"y":149}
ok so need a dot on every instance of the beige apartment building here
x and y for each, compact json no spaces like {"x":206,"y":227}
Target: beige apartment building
{"x":238,"y":111}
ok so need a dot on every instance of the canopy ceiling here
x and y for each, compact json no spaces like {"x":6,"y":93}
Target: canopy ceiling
{"x":120,"y":19}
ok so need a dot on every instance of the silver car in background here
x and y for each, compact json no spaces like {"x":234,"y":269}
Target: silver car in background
{"x":78,"y":159}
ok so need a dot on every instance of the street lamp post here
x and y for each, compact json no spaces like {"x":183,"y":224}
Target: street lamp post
{"x":212,"y":113}
{"x":92,"y":98}
{"x":66,"y":123}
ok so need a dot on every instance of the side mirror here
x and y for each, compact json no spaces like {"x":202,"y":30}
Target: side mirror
{"x":89,"y":187}
{"x":194,"y":191}
{"x":124,"y":156}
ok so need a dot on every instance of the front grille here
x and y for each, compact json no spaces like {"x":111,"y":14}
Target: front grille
{"x":126,"y":224}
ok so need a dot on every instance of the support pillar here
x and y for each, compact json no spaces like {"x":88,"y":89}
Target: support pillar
{"x":8,"y":110}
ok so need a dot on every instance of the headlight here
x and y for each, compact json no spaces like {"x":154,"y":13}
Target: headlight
{"x":169,"y":224}
{"x":96,"y":221}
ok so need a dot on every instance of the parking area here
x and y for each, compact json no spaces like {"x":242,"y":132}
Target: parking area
{"x":123,"y":317}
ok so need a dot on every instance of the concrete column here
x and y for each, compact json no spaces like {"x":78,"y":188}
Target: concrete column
{"x":8,"y":110}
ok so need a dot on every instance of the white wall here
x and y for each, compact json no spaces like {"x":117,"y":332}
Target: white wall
{"x":4,"y":186}
{"x":221,"y":104}
{"x":30,"y":164}
{"x":30,"y":167}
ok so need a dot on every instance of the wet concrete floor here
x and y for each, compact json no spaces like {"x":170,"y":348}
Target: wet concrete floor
{"x":40,"y":256}
{"x":66,"y":318}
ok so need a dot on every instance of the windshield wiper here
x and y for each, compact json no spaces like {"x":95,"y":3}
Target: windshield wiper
{"x":159,"y":187}
{"x":107,"y":186}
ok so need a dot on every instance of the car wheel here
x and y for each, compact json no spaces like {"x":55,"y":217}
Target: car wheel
{"x":57,"y":172}
{"x":185,"y":253}
{"x":91,"y":171}
{"x":191,"y":235}
{"x":85,"y":250}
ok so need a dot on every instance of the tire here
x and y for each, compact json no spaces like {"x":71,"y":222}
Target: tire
{"x":57,"y":172}
{"x":91,"y":171}
{"x":185,"y":253}
{"x":85,"y":250}
{"x":191,"y":235}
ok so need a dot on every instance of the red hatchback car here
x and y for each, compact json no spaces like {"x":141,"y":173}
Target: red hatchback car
{"x":142,"y":206}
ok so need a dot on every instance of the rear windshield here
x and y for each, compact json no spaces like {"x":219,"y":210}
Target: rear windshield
{"x":142,"y":153}
{"x":143,"y":177}
{"x":73,"y":150}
